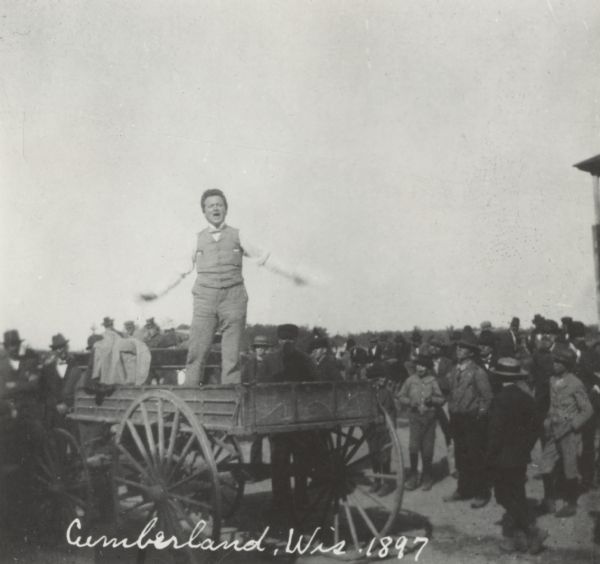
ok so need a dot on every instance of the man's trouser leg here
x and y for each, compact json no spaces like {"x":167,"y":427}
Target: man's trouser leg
{"x":586,"y":461}
{"x":457,"y":421}
{"x":476,"y":437}
{"x":231,"y":312}
{"x":202,"y":330}
{"x":427,"y":444}
{"x":280,"y":471}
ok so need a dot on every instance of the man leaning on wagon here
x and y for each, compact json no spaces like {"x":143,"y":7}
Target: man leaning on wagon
{"x":220,"y":298}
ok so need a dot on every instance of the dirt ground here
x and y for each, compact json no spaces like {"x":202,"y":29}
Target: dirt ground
{"x":459,"y":534}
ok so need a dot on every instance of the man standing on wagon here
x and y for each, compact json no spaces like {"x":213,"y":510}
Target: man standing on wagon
{"x":220,"y":298}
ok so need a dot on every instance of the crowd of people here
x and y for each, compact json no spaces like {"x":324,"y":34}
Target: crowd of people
{"x":494,"y":394}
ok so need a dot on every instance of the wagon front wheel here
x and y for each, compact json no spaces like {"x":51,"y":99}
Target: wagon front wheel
{"x":164,"y":469}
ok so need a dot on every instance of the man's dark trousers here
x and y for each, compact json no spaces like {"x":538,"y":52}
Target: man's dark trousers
{"x":470,"y":434}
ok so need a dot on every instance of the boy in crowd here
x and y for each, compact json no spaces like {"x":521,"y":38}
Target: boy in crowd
{"x":421,"y":394}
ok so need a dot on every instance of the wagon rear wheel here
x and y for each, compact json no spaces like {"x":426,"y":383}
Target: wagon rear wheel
{"x":164,"y":469}
{"x":62,"y":476}
{"x":355,"y":483}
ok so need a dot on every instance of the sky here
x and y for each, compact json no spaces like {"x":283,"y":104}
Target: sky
{"x":415,"y":156}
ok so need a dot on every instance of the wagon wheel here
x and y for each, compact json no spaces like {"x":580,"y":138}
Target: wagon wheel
{"x":63,"y":478}
{"x":164,"y":469}
{"x":340,"y":496}
{"x":227,"y":453}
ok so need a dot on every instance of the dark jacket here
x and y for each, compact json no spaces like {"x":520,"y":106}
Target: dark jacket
{"x":21,"y":388}
{"x":56,"y":389}
{"x":287,"y":364}
{"x":328,"y":369}
{"x":507,"y":344}
{"x":513,"y":427}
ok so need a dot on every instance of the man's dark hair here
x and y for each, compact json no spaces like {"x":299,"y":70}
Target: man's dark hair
{"x":213,"y":192}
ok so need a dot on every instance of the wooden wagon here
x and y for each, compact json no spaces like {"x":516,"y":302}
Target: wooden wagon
{"x":176,"y":453}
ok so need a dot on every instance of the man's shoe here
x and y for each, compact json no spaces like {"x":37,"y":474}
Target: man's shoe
{"x":427,"y":483}
{"x":567,"y":510}
{"x":480,"y":502}
{"x":547,"y":505}
{"x":456,"y":496}
{"x":411,"y":483}
{"x":387,"y":488}
{"x":536,"y":538}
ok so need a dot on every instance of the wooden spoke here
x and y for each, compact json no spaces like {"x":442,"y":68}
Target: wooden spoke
{"x":131,"y":483}
{"x":133,"y":462}
{"x":182,"y":456}
{"x":365,"y":517}
{"x":172,"y":438}
{"x":347,"y":442}
{"x":149,"y":435}
{"x":185,"y":480}
{"x":190,"y":501}
{"x":349,"y":454}
{"x":161,"y":430}
{"x":140,"y":446}
{"x":138,"y":506}
{"x":336,"y":527}
{"x":350,"y":520}
{"x":377,"y":500}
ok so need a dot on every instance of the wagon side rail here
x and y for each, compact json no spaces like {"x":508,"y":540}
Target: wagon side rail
{"x":268,"y":408}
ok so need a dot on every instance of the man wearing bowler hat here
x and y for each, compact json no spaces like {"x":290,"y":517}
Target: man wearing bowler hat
{"x":468,"y":404}
{"x":512,"y":432}
{"x":60,"y":377}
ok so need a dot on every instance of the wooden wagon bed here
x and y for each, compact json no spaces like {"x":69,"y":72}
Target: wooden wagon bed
{"x":248,"y":409}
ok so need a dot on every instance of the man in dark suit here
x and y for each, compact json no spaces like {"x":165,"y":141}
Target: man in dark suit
{"x":22,"y":430}
{"x":512,"y":432}
{"x":60,"y":377}
{"x":508,"y":341}
{"x":288,"y":364}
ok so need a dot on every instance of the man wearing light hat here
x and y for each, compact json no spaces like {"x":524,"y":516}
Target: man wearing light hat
{"x":512,"y":432}
{"x":569,"y":409}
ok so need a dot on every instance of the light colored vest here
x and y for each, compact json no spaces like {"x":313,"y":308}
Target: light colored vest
{"x":219,"y":263}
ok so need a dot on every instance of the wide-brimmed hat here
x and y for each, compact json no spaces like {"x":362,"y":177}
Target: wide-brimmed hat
{"x":11,"y":337}
{"x":288,"y":332}
{"x":509,"y":368}
{"x":261,"y":341}
{"x":58,"y":341}
{"x":485,"y":325}
{"x":563,"y":354}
